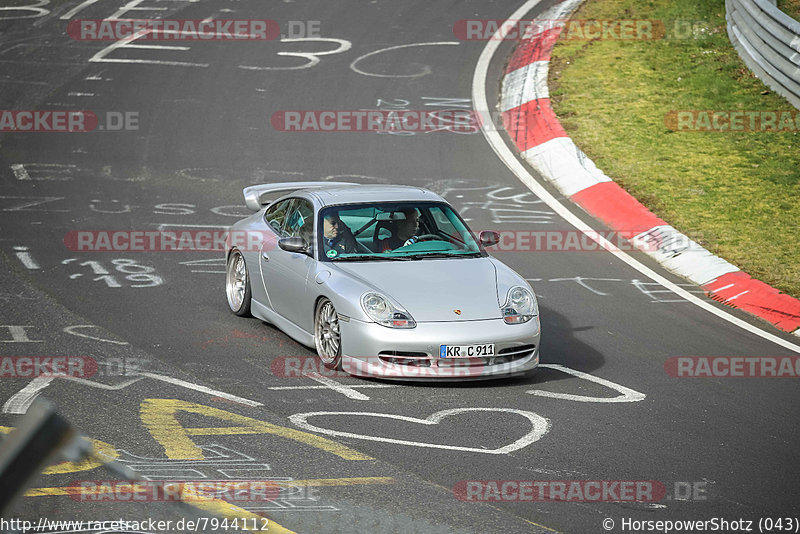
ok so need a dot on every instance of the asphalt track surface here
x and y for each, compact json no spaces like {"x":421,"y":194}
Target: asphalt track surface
{"x":204,"y":134}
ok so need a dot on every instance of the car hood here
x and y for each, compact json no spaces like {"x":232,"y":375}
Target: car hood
{"x":432,"y":290}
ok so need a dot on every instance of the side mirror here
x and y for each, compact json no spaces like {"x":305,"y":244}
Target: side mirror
{"x":294,"y":244}
{"x":489,"y":238}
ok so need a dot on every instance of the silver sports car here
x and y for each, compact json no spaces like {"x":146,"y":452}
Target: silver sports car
{"x":382,"y":280}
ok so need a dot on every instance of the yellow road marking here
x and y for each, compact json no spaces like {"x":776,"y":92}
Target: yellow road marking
{"x":160,"y":418}
{"x":542,"y":526}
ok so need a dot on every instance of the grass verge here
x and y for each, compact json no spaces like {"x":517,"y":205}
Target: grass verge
{"x":735,"y":192}
{"x":790,"y":7}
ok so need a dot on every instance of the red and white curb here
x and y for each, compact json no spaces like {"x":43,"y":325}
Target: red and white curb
{"x":530,"y":121}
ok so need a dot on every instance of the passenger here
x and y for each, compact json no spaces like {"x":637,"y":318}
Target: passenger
{"x":337,"y":237}
{"x":404,"y":231}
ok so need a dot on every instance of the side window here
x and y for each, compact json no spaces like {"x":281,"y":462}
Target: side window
{"x":276,"y":214}
{"x":300,"y":221}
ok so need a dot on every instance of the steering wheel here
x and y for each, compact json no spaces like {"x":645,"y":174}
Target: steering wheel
{"x":426,"y":237}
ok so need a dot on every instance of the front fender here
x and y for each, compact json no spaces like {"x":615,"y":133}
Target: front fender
{"x":342,"y":290}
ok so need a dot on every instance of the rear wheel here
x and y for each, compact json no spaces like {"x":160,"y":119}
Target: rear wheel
{"x":237,"y":284}
{"x":327,"y":337}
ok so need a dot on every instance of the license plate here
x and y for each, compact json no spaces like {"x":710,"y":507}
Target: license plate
{"x":466,"y":351}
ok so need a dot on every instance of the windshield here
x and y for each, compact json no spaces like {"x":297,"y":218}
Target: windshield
{"x":397,"y":231}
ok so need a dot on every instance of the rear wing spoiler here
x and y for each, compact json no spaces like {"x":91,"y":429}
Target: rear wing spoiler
{"x":256,"y":196}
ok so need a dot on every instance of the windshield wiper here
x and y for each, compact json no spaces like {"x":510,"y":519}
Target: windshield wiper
{"x":440,"y":255}
{"x":370,"y":258}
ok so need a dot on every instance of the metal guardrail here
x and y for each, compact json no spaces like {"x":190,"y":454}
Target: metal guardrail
{"x":768,"y":40}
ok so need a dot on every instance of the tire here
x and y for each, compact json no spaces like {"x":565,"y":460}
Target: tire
{"x":237,"y":284}
{"x":327,"y":336}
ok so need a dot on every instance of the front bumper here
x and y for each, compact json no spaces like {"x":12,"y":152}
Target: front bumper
{"x":369,"y":349}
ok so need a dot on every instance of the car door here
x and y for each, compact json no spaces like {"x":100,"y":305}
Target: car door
{"x":274,"y":217}
{"x":285,"y":274}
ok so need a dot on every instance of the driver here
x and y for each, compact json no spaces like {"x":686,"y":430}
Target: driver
{"x":337,"y":238}
{"x":404,"y":231}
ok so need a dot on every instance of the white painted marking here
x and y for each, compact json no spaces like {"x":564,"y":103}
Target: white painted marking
{"x":18,"y":334}
{"x":72,"y":331}
{"x":160,"y":47}
{"x":133,"y":5}
{"x":203,"y":389}
{"x":736,"y":296}
{"x":126,"y":208}
{"x":77,"y":9}
{"x":721,"y":288}
{"x":80,"y":94}
{"x":43,"y":171}
{"x":98,"y":385}
{"x":447,"y":102}
{"x":425,"y":70}
{"x":312,"y":57}
{"x":627,"y":394}
{"x":25,"y":257}
{"x":653,"y":293}
{"x":22,"y":400}
{"x":347,"y":391}
{"x":101,"y":56}
{"x":539,"y":427}
{"x":34,"y":8}
{"x":20,"y":172}
{"x":6,"y":79}
{"x":23,"y":205}
{"x":216,"y":262}
{"x":239,"y":211}
{"x":581,"y":281}
{"x":510,"y":160}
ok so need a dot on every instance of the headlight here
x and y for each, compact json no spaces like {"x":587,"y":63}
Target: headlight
{"x":383,"y":312}
{"x":520,"y":306}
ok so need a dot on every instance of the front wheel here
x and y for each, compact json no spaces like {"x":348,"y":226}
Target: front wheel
{"x":237,"y":284}
{"x":327,"y":337}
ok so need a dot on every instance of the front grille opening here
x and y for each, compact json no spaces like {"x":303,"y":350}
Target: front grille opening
{"x":511,"y":354}
{"x":399,"y":357}
{"x":514,"y":350}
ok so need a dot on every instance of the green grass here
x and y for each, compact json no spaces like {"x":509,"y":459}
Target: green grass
{"x":790,"y":7}
{"x":737,"y":193}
